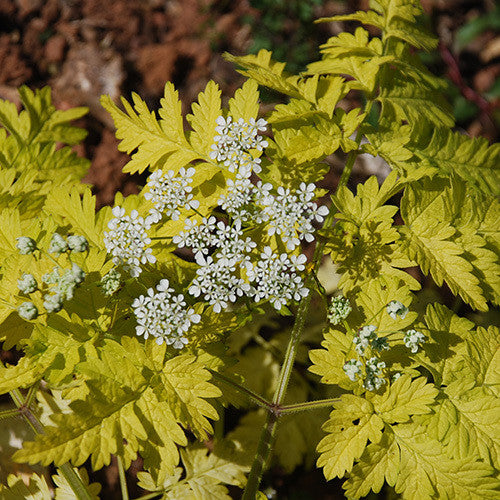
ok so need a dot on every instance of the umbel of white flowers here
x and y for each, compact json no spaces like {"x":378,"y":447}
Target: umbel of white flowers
{"x":228,"y":265}
{"x":366,"y":342}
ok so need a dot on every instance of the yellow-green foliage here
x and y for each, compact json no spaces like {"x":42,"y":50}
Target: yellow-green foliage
{"x":427,"y":424}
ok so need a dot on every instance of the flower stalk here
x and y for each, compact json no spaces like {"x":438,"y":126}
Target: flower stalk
{"x":268,"y":433}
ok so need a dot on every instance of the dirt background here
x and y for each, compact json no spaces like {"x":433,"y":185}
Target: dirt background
{"x":86,"y":48}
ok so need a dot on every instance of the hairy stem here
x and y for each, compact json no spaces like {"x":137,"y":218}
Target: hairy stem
{"x":308,"y":405}
{"x":252,"y":396}
{"x":73,"y":479}
{"x":264,"y":447}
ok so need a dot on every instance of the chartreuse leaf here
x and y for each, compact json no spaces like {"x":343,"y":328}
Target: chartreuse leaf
{"x":266,"y":72}
{"x":29,"y":144}
{"x":135,"y":393}
{"x":16,"y":488}
{"x":407,"y":101}
{"x":397,"y":19}
{"x":446,"y":334}
{"x":345,"y":440}
{"x":354,"y":55}
{"x":357,"y":420}
{"x":138,"y":128}
{"x":418,"y":467}
{"x":245,"y":103}
{"x":477,"y":235}
{"x":205,"y":475}
{"x":52,"y":352}
{"x":205,"y":112}
{"x":442,"y":150}
{"x":405,"y":398}
{"x":446,"y":248}
{"x":78,"y":211}
{"x":426,"y":471}
{"x":379,"y":463}
{"x":465,"y":420}
{"x":364,"y":244}
{"x":64,"y":491}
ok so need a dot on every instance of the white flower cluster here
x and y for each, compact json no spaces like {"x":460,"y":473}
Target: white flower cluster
{"x":274,"y":278}
{"x":25,"y":245}
{"x":374,"y":374}
{"x":55,"y":287}
{"x":27,"y":283}
{"x":339,"y":309}
{"x":366,"y":342}
{"x":413,"y":339}
{"x":169,"y":194}
{"x":365,"y":339}
{"x":352,"y":369}
{"x":27,"y":310}
{"x":220,"y":280}
{"x":127,"y":240}
{"x":396,"y":309}
{"x":111,"y":283}
{"x":368,"y":337}
{"x":291,"y":214}
{"x":234,"y":142}
{"x":73,"y":243}
{"x":163,"y":315}
{"x":227,"y":268}
{"x":63,"y":286}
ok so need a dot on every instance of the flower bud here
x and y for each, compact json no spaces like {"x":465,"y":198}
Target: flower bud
{"x":27,"y":310}
{"x":27,"y":283}
{"x":25,"y":245}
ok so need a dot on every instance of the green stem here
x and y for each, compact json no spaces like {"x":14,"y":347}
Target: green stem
{"x":31,"y":394}
{"x":123,"y":479}
{"x":9,"y":413}
{"x":73,"y":479}
{"x":252,"y":396}
{"x":264,"y":446}
{"x":308,"y":405}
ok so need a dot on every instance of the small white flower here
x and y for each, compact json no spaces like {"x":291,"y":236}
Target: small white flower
{"x":374,"y":374}
{"x":163,"y":314}
{"x":25,"y":245}
{"x":170,"y":194}
{"x":111,"y":282}
{"x":27,"y":310}
{"x":339,"y":309}
{"x":127,"y":240}
{"x":413,"y":339}
{"x":352,"y":368}
{"x":200,"y":237}
{"x":77,"y":243}
{"x":53,"y":302}
{"x":363,"y":337}
{"x":27,"y":283}
{"x":291,"y":215}
{"x":396,"y":309}
{"x":58,"y":244}
{"x":217,"y":282}
{"x":233,"y":143}
{"x":274,"y":278}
